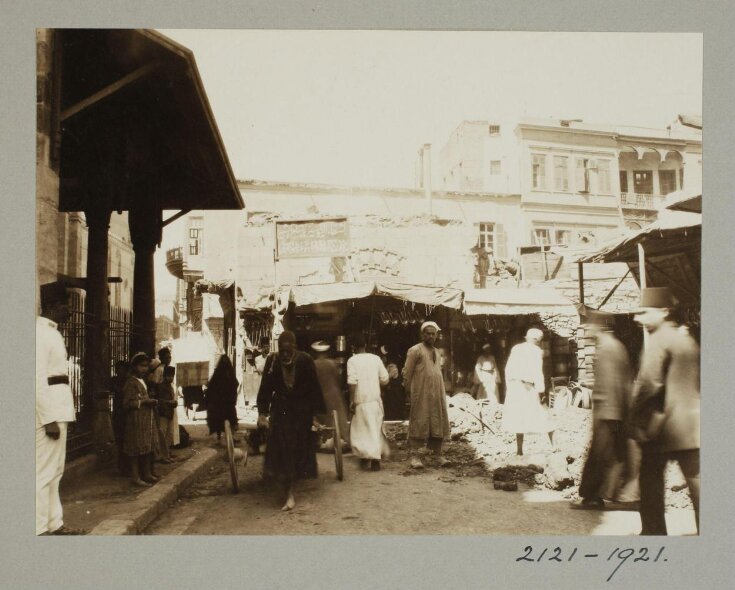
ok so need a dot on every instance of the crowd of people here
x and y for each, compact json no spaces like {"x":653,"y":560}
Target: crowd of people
{"x":638,"y":424}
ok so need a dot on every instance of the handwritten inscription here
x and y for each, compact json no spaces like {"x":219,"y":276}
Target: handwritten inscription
{"x":619,"y":556}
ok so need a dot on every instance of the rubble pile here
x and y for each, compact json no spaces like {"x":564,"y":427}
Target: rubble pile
{"x":476,"y":450}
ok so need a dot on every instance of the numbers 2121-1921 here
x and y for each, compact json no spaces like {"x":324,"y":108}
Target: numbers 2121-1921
{"x":623,"y":555}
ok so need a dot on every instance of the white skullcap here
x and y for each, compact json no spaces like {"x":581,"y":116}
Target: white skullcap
{"x":535,"y":334}
{"x":320,"y":346}
{"x":430,"y":325}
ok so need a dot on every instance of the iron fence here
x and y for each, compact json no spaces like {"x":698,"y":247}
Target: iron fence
{"x":79,"y":439}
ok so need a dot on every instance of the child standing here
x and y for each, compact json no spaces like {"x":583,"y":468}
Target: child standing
{"x":141,"y":427}
{"x":167,"y":402}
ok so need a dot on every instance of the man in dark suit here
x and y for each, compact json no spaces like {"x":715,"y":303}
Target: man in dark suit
{"x":611,"y":398}
{"x":665,"y":411}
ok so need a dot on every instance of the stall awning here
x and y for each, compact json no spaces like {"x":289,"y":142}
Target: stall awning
{"x":517,"y":301}
{"x":301,"y":295}
{"x":684,"y":201}
{"x":426,"y":294}
{"x":670,"y":234}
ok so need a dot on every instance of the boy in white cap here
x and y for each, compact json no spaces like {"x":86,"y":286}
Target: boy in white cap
{"x":424,"y":382}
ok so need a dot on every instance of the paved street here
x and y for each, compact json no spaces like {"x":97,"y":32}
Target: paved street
{"x":392,"y":501}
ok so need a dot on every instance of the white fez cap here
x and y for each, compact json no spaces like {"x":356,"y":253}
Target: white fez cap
{"x":430,"y":325}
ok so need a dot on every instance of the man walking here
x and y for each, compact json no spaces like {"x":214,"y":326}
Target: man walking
{"x":54,"y":409}
{"x":329,"y":379}
{"x":365,"y":375}
{"x":665,"y":410}
{"x":423,"y":380}
{"x":610,"y":398}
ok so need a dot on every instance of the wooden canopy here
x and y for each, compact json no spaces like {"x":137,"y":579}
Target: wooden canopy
{"x":134,"y":125}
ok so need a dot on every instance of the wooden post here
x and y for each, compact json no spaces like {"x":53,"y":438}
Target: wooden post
{"x":642,"y":266}
{"x":97,"y":370}
{"x":145,"y":233}
{"x":642,"y":281}
{"x":580,"y":273}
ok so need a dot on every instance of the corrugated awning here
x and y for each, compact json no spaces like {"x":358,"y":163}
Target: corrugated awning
{"x":517,"y":301}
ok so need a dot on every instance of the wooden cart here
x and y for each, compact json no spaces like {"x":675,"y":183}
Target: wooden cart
{"x":237,"y":460}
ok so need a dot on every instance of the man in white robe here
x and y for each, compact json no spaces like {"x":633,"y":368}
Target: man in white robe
{"x":365,"y":374}
{"x":524,"y":378}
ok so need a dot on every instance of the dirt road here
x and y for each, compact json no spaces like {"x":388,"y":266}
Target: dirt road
{"x":393,"y":501}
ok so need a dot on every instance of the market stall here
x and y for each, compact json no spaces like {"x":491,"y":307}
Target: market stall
{"x":500,"y":317}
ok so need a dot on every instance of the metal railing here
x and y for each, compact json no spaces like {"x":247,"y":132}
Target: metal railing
{"x":641,"y":200}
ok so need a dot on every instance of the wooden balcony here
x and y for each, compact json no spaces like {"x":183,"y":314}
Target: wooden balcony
{"x":175,"y":262}
{"x":643,"y":201}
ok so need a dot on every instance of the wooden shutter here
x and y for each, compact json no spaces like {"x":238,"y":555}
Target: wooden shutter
{"x":500,"y":246}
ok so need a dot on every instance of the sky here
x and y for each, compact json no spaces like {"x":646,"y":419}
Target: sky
{"x":354,"y":107}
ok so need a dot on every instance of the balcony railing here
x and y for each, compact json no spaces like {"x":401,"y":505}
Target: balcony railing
{"x":175,"y":262}
{"x":174,"y":254}
{"x":641,"y":201}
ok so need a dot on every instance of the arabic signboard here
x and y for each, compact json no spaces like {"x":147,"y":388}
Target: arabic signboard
{"x":314,"y":238}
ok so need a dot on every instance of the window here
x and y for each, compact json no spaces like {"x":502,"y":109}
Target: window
{"x":603,"y":176}
{"x":491,"y":237}
{"x":582,"y":176}
{"x":623,"y":181}
{"x":494,"y":130}
{"x":681,"y":177}
{"x":561,"y":173}
{"x":561,"y":237}
{"x":667,"y":180}
{"x":541,"y":237}
{"x":195,"y":241}
{"x":553,"y":235}
{"x":494,"y":167}
{"x":643,"y":182}
{"x":538,"y":170}
{"x":485,"y":238}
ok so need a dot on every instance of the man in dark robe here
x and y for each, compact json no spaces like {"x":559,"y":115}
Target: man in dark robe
{"x":610,"y":400}
{"x":666,"y":405}
{"x":289,"y":399}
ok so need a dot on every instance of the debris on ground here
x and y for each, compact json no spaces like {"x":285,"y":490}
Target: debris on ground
{"x":488,"y":451}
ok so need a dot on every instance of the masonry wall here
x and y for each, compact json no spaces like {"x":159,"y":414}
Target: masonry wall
{"x":47,"y":176}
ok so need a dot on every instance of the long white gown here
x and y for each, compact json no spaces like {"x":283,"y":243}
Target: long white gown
{"x":367,"y":439}
{"x":524,"y":377}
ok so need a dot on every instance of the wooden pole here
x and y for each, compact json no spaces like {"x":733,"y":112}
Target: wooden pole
{"x":580,"y":274}
{"x":642,"y":282}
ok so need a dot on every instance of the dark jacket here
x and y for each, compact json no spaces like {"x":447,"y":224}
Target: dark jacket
{"x":668,"y":381}
{"x":612,"y":388}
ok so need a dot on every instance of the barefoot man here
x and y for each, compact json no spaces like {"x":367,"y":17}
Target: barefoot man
{"x":428,"y":420}
{"x":289,"y":399}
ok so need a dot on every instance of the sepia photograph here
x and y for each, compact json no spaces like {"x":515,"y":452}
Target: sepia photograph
{"x":368,"y":282}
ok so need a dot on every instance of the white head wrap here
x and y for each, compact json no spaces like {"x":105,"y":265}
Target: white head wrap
{"x":430,"y":325}
{"x":535,"y":334}
{"x":320,"y":346}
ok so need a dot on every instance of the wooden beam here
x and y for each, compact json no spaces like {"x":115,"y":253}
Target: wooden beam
{"x":176,"y":216}
{"x":615,"y":288}
{"x":108,"y":91}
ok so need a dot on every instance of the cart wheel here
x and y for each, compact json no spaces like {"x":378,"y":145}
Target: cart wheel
{"x":337,"y":438}
{"x":231,"y":456}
